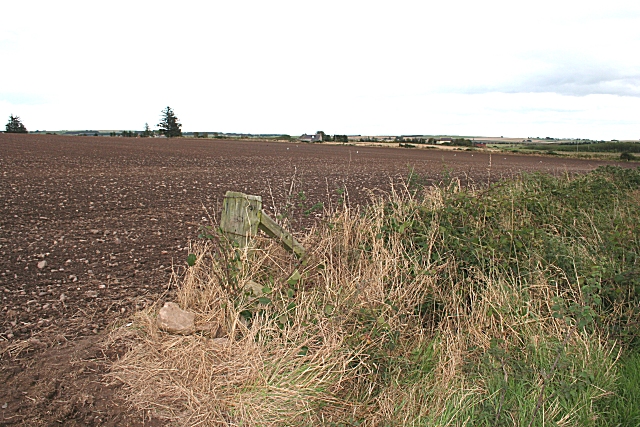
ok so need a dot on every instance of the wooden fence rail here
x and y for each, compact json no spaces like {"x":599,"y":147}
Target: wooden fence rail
{"x":242,"y":217}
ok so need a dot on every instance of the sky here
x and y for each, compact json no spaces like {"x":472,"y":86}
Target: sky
{"x":565,"y":69}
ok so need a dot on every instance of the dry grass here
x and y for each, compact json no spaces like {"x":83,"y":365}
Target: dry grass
{"x":346,"y":344}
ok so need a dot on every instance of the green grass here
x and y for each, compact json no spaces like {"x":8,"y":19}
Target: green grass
{"x":623,"y":409}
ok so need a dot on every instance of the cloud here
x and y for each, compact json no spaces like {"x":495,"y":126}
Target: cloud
{"x":581,"y":82}
{"x":562,"y":79}
{"x":20,"y":98}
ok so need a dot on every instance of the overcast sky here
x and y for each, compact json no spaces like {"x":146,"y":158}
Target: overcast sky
{"x":539,"y":68}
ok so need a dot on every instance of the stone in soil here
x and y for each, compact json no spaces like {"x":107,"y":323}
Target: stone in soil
{"x":173,"y":319}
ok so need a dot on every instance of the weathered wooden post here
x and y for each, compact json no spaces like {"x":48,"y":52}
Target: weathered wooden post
{"x":242,"y":216}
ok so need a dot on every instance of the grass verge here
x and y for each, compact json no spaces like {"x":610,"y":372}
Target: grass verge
{"x":507,"y":305}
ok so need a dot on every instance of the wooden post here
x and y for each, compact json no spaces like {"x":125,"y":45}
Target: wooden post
{"x":242,"y":215}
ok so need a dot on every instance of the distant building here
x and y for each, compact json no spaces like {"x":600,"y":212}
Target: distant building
{"x":311,"y":138}
{"x":441,"y":140}
{"x":480,"y":144}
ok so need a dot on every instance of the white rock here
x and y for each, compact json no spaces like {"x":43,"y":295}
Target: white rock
{"x":172,"y":318}
{"x":42,"y":264}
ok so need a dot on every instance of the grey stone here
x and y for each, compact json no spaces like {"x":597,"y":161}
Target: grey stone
{"x":173,"y":319}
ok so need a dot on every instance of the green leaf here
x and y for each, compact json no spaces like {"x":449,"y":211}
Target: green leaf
{"x":328,"y":309}
{"x":294,"y":278}
{"x":264,"y":300}
{"x":303,"y":351}
{"x":191,"y":260}
{"x":404,"y":226}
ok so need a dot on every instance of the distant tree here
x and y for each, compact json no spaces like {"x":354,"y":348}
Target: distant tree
{"x":627,"y":156}
{"x":15,"y":125}
{"x":462,"y":142}
{"x":340,"y":138}
{"x":196,"y":134}
{"x":169,"y":124}
{"x":325,"y":137}
{"x":147,"y":132}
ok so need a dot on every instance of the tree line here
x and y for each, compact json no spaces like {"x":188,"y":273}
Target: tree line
{"x":169,"y":126}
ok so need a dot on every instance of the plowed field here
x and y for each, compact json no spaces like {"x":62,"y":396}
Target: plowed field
{"x":92,"y":228}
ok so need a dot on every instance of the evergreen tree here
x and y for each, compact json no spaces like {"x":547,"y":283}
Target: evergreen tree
{"x":147,"y":132}
{"x":169,"y":124}
{"x":15,"y":125}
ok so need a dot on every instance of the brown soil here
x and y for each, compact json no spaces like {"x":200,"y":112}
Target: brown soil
{"x":92,"y":229}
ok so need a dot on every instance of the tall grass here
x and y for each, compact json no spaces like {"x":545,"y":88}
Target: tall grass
{"x":507,"y":305}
